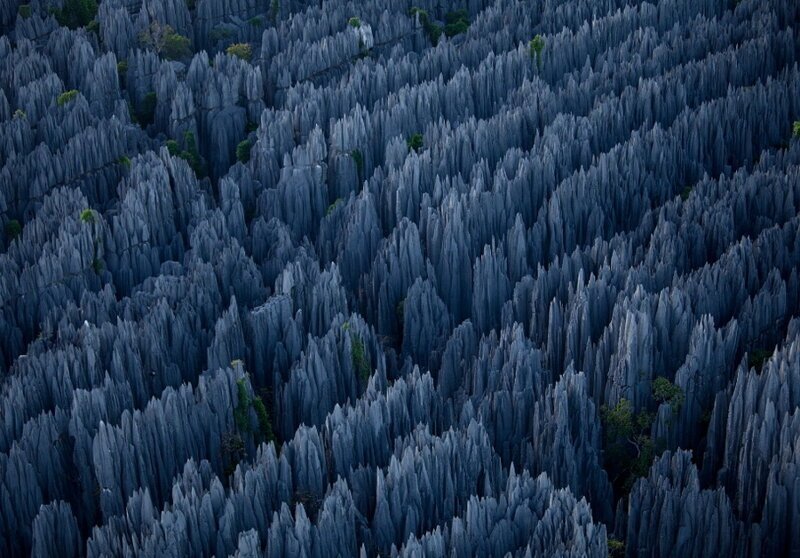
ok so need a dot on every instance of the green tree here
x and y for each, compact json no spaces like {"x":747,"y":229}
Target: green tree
{"x":243,"y":150}
{"x":431,"y":29}
{"x":241,"y":414}
{"x":536,"y":46}
{"x":190,"y":154}
{"x":757,"y":357}
{"x":627,"y":449}
{"x":456,"y":23}
{"x":665,"y":391}
{"x":415,"y":142}
{"x":354,"y":22}
{"x":360,"y":357}
{"x":76,"y":13}
{"x":147,"y":109}
{"x":165,"y":41}
{"x":13,"y":229}
{"x":358,"y":158}
{"x":241,"y":50}
{"x":176,"y":47}
{"x":274,"y":11}
{"x":24,"y":11}
{"x":796,"y":128}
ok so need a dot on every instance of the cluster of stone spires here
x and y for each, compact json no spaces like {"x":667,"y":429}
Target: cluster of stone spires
{"x":366,"y":291}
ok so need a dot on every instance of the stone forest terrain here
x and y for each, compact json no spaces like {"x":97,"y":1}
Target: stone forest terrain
{"x":407,"y":278}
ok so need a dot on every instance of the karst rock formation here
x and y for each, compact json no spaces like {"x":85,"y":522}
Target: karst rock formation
{"x":399,"y":278}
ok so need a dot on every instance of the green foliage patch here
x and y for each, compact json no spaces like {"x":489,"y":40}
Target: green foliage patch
{"x":241,"y":414}
{"x":628,"y":450}
{"x":13,"y":229}
{"x":147,"y":110}
{"x":415,"y":142}
{"x":456,"y":22}
{"x":616,"y":549}
{"x":241,"y":50}
{"x":332,"y":207}
{"x":66,"y":97}
{"x":360,"y":357}
{"x":431,"y":29}
{"x":76,"y":13}
{"x":757,"y":358}
{"x":535,"y":48}
{"x":665,"y":391}
{"x":87,"y":215}
{"x":243,"y":150}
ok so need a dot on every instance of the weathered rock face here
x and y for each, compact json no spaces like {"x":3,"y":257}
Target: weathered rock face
{"x":483,"y":278}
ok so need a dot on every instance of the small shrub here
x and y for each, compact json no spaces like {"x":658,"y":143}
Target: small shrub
{"x":360,"y":358}
{"x":93,"y":27}
{"x":124,"y":161}
{"x":97,"y":265}
{"x":241,"y":50}
{"x":456,"y":23}
{"x":172,"y":147}
{"x":243,"y":150}
{"x":122,"y":67}
{"x":415,"y":142}
{"x":87,"y":215}
{"x":686,"y":192}
{"x":256,"y":21}
{"x":354,"y":22}
{"x":796,"y":129}
{"x":616,"y":549}
{"x":251,"y":126}
{"x":66,"y":97}
{"x":19,"y":113}
{"x":13,"y":229}
{"x":24,"y":11}
{"x":535,"y":47}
